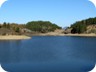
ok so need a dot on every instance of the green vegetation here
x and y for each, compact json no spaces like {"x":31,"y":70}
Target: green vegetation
{"x":30,"y":27}
{"x":42,"y":26}
{"x":78,"y":27}
{"x":81,"y":26}
{"x":5,"y":25}
{"x":17,"y":30}
{"x":11,"y":28}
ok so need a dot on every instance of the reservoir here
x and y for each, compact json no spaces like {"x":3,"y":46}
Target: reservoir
{"x":49,"y":54}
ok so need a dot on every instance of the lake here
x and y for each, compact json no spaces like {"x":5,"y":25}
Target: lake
{"x":49,"y":54}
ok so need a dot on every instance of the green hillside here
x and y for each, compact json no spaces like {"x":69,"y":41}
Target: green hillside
{"x":83,"y":25}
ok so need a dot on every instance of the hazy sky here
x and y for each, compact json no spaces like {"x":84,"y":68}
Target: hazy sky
{"x":61,"y":12}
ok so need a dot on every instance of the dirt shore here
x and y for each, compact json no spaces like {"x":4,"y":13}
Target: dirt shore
{"x":14,"y":37}
{"x":22,"y":37}
{"x":86,"y":35}
{"x":57,"y":34}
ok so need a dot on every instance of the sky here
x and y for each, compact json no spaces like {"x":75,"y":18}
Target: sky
{"x":61,"y":12}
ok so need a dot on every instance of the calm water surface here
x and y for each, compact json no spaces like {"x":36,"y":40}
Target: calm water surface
{"x":49,"y":54}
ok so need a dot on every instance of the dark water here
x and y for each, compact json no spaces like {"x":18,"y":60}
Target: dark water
{"x":49,"y":54}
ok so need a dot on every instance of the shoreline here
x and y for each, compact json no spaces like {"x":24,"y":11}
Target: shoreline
{"x":81,"y":35}
{"x":55,"y":34}
{"x":24,"y":37}
{"x":14,"y":37}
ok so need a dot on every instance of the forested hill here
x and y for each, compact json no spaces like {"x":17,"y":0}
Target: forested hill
{"x":84,"y":26}
{"x":30,"y":27}
{"x":42,"y":26}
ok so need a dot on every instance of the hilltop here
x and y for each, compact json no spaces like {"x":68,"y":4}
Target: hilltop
{"x":30,"y":28}
{"x":87,"y":26}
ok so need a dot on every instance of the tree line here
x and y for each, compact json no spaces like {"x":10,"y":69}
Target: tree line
{"x":81,"y":26}
{"x":42,"y":26}
{"x":36,"y":26}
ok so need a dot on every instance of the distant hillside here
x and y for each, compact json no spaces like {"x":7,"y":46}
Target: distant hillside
{"x":11,"y":28}
{"x":42,"y":26}
{"x":28,"y":28}
{"x":84,"y":26}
